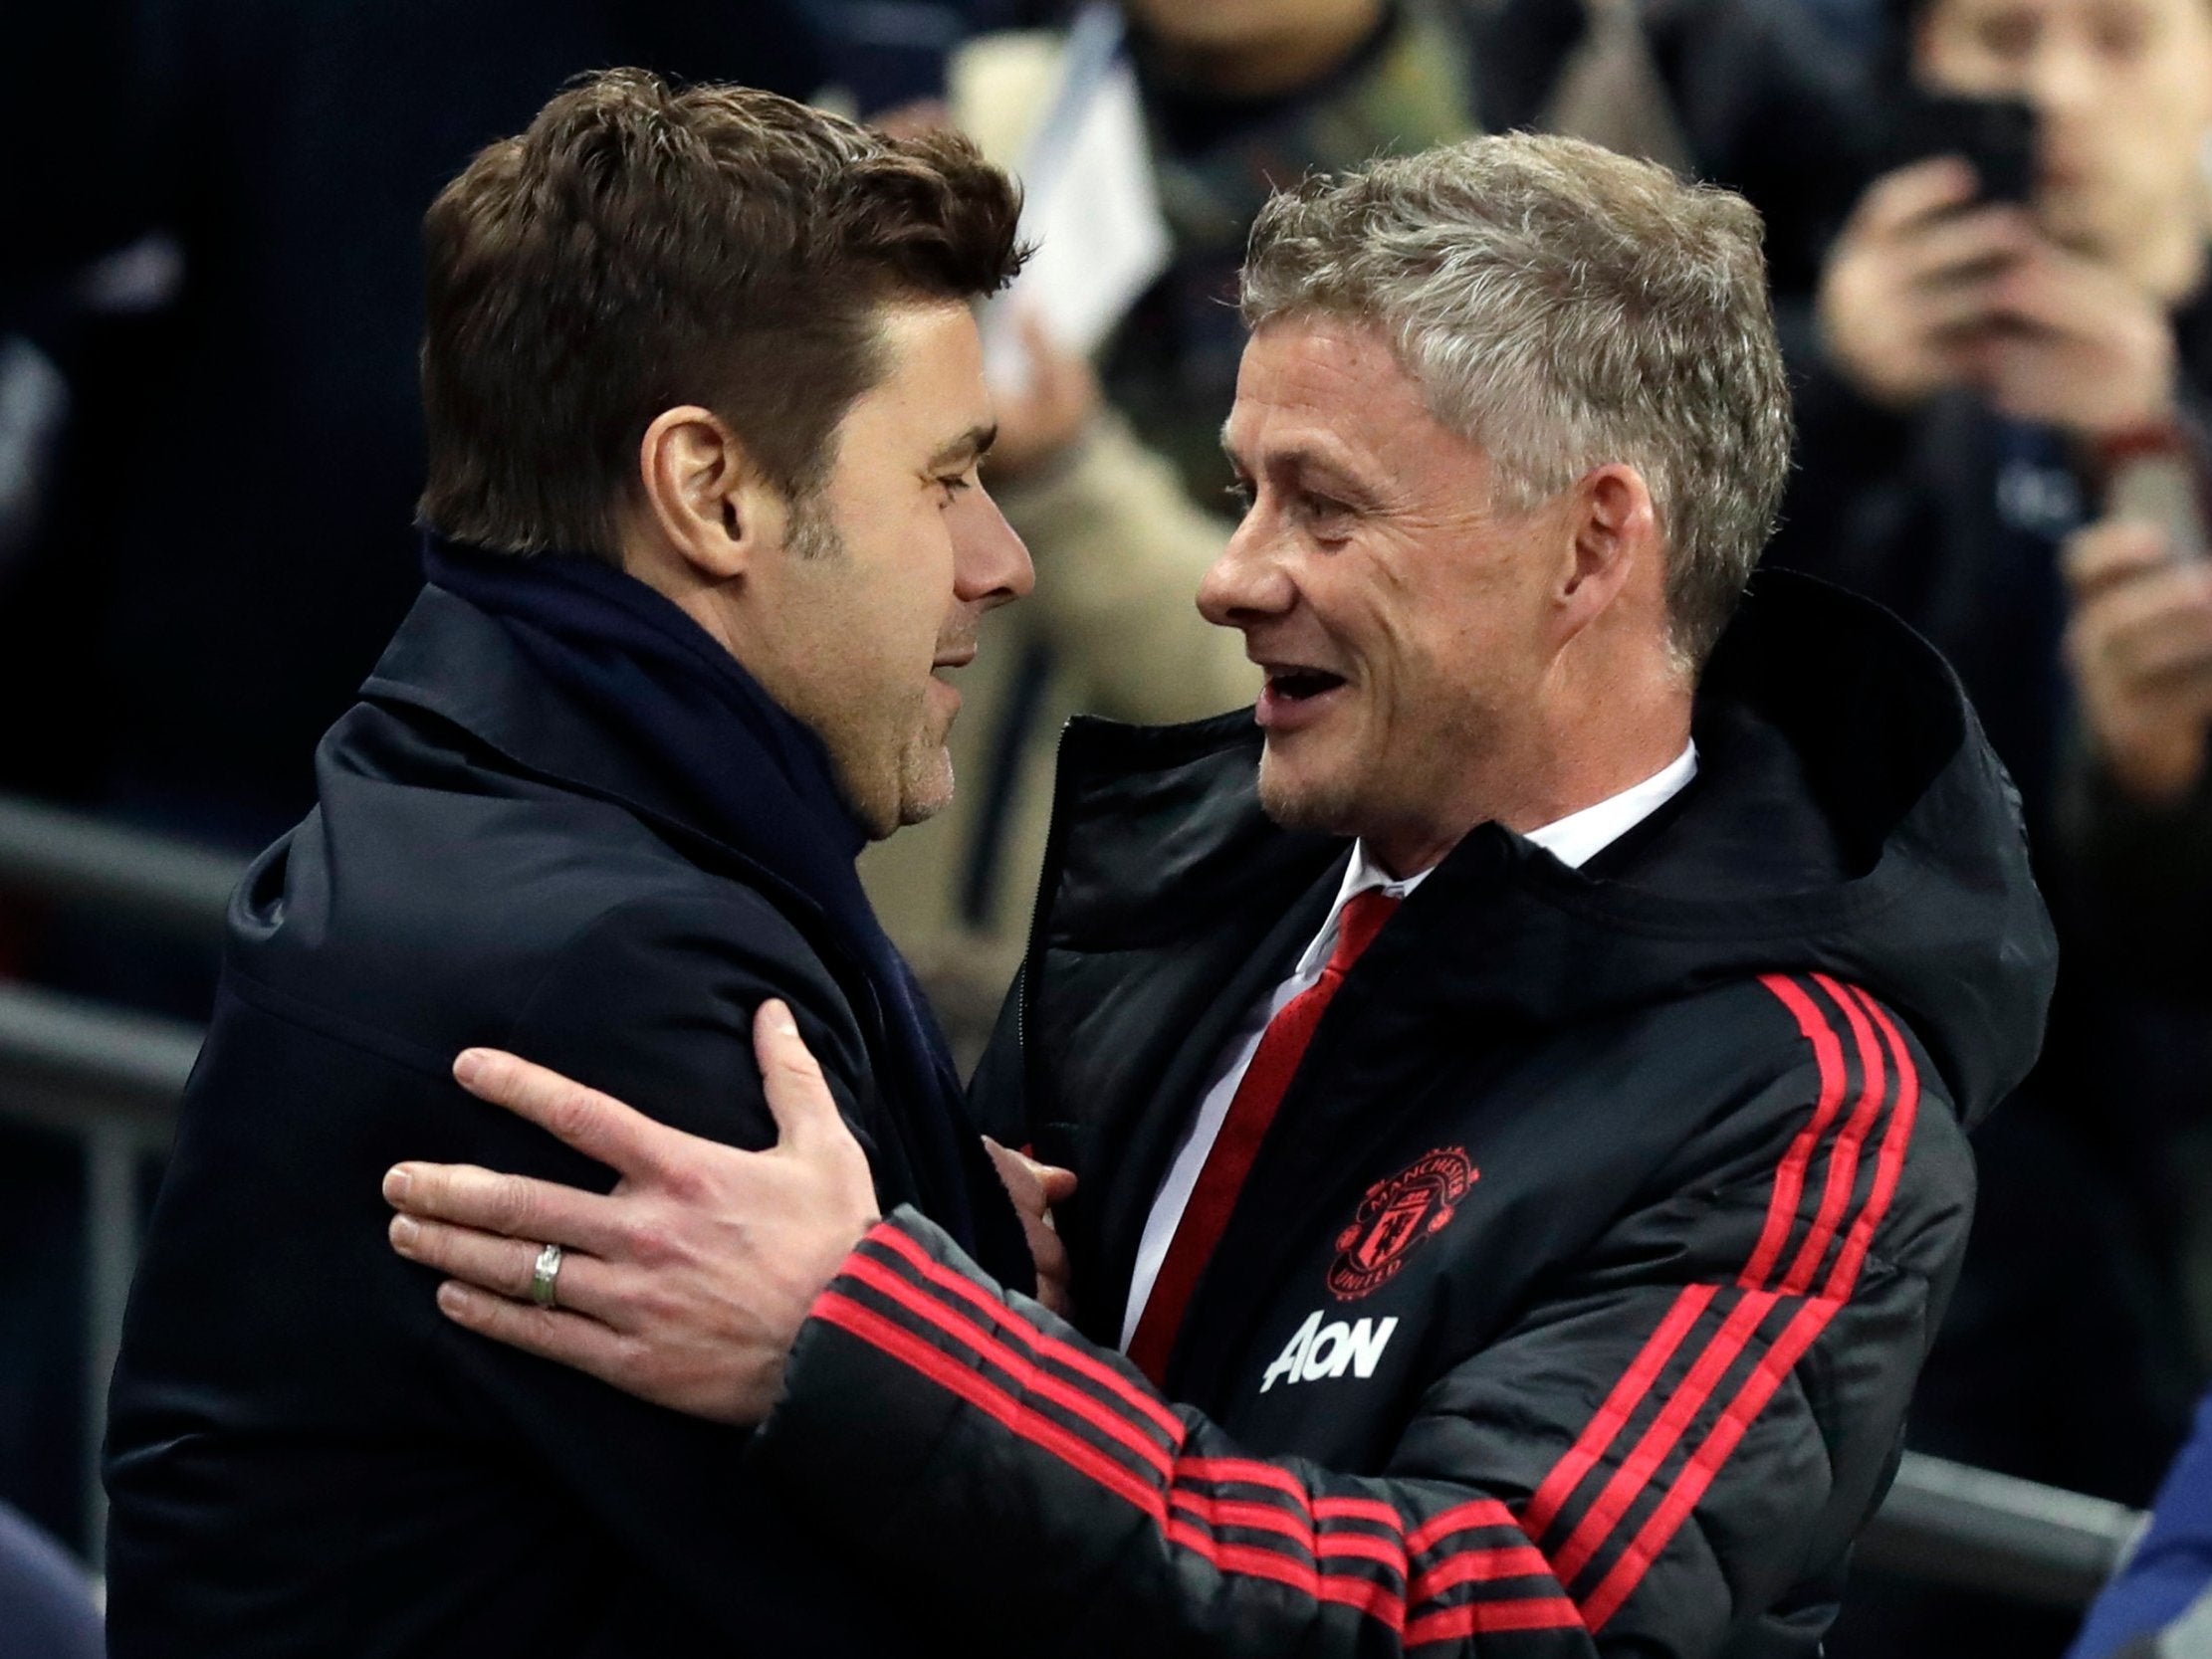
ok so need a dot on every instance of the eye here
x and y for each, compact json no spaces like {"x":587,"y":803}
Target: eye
{"x":955,"y":485}
{"x":2007,"y":35}
{"x":2123,"y":35}
{"x":1240,"y":492}
{"x":1328,"y":517}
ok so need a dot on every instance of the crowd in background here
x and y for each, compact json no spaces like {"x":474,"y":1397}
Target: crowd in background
{"x":210,"y":449}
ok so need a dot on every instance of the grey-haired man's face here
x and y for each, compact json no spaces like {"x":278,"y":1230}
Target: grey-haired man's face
{"x":1399,"y":615}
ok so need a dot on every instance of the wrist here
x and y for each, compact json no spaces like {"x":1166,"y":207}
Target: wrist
{"x":2155,"y":776}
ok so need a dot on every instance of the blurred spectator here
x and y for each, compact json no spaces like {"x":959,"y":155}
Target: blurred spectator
{"x":1985,"y":361}
{"x":1114,"y":474}
{"x":2137,"y":811}
{"x":1993,"y":374}
{"x":1749,"y":94}
{"x":2159,"y":1606}
{"x":46,"y":1604}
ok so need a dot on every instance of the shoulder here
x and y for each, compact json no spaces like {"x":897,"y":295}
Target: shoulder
{"x":439,"y":918}
{"x":1814,"y":1100}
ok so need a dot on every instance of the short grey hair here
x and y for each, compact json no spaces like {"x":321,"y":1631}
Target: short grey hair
{"x":1565,"y":307}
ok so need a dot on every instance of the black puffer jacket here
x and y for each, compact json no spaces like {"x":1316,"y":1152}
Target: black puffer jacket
{"x":1575,"y":1299}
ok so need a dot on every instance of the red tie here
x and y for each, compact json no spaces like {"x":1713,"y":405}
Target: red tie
{"x":1274,"y":1062}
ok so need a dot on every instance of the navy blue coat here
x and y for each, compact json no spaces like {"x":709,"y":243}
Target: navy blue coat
{"x":305,"y":1457}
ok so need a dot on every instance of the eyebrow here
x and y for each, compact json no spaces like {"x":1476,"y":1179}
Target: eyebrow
{"x":1303,"y":457}
{"x":975,"y":442}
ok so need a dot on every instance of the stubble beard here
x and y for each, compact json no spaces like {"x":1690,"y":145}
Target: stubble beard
{"x":1324,"y":807}
{"x":925,"y":769}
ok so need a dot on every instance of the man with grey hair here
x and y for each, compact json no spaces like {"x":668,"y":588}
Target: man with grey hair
{"x":1518,"y":1122}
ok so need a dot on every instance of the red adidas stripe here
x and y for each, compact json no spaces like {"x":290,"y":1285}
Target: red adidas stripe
{"x":1232,"y":1512}
{"x":1379,"y":1601}
{"x":988,"y":1397}
{"x":1843,"y":1161}
{"x":1225,"y":1470}
{"x":1479,"y":1567}
{"x":1476,"y":1513}
{"x":1658,"y":1530}
{"x":1664,"y":1433}
{"x":1812,"y":1319}
{"x":1034,"y":1377}
{"x":1889,"y":1168}
{"x":1729,"y":1343}
{"x":1481,"y":1618}
{"x":892,"y":1237}
{"x":1620,"y":1405}
{"x":1789,"y":1179}
{"x":1322,"y":1582}
{"x":1356,"y":1509}
{"x":1627,"y":1395}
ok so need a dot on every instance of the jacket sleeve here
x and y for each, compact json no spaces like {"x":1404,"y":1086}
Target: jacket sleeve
{"x":1667,"y":1454}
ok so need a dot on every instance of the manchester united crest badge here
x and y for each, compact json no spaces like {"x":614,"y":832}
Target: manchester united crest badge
{"x":1395,"y":1215}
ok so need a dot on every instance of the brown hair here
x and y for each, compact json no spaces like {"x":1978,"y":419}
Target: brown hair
{"x":644,"y":245}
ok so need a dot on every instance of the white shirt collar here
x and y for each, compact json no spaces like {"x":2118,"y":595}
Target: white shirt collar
{"x":1573,"y":840}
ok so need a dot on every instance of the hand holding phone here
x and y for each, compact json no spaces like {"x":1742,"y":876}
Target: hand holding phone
{"x":1911,"y":286}
{"x":1995,"y":137}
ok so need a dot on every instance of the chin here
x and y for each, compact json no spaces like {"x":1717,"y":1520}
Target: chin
{"x":925,"y":789}
{"x":1299,"y":799}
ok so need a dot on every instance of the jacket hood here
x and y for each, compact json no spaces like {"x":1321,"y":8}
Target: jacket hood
{"x":1848,"y":817}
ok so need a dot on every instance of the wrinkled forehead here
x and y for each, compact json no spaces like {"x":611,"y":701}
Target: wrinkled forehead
{"x":1326,"y":399}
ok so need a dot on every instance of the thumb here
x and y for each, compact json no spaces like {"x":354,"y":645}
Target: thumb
{"x":1051,"y":1181}
{"x":1059,"y":1183}
{"x":799,"y":1100}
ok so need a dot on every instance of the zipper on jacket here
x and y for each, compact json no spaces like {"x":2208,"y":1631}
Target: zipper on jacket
{"x":1032,"y":959}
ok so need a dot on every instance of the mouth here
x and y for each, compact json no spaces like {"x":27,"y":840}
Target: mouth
{"x":1296,"y":695}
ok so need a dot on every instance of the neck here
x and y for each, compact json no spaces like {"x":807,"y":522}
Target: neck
{"x":1586,"y":743}
{"x":2173,"y":269}
{"x":661,"y":568}
{"x":1274,"y":66}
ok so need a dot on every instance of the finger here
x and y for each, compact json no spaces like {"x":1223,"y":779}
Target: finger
{"x":2163,"y":644}
{"x":513,"y":1206}
{"x":2183,"y":699}
{"x":2055,"y":291}
{"x":556,"y":1334}
{"x":504,"y":1266}
{"x":1018,"y":1176}
{"x":1897,"y":200}
{"x":1942,"y":249}
{"x":2155,"y":601}
{"x":2113,"y":551}
{"x":1059,"y":1184}
{"x":798,"y":1097}
{"x":1953,"y":307}
{"x":596,"y":1125}
{"x":1050,"y":1256}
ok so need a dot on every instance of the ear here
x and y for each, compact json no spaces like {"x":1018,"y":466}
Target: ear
{"x":1613,"y":540}
{"x":709,"y":499}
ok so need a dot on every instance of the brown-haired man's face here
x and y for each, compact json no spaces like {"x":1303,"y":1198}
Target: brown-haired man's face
{"x":898,"y":559}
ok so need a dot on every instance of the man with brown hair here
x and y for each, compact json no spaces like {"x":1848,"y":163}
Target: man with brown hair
{"x":705,"y":407}
{"x":1517,"y":1076}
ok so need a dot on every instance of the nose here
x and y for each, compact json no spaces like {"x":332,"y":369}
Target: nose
{"x":990,"y":564}
{"x":2063,"y":82}
{"x":1249,"y":582}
